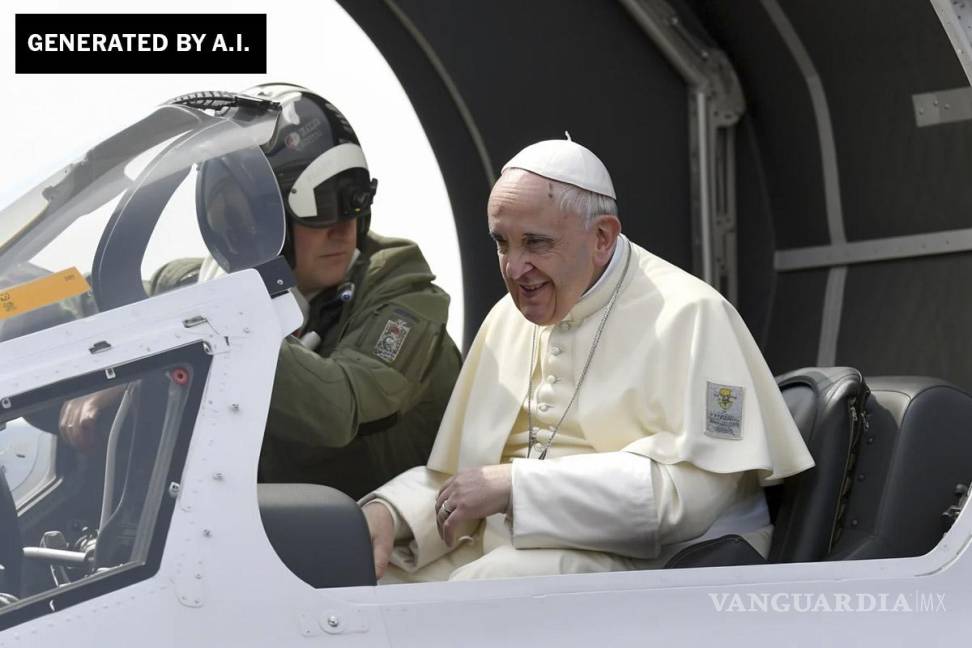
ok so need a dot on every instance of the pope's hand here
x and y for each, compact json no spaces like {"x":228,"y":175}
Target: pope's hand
{"x":471,"y":495}
{"x":381,"y":526}
{"x":80,"y":417}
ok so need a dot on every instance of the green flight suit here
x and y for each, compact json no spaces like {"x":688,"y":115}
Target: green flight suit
{"x":366,"y":404}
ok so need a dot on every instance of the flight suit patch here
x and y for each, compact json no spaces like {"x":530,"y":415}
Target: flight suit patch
{"x":723,"y":411}
{"x":391,"y":339}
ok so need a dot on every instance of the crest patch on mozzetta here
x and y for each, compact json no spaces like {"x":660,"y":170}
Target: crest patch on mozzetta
{"x":391,"y":339}
{"x":723,"y":411}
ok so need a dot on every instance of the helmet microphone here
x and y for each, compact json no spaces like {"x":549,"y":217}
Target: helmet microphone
{"x":346,"y":292}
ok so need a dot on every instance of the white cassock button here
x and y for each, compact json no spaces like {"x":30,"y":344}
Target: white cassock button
{"x":555,"y":350}
{"x":543,"y":407}
{"x":551,"y":379}
{"x":564,"y":326}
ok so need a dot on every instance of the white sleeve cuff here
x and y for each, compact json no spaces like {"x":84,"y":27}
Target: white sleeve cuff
{"x":598,"y":501}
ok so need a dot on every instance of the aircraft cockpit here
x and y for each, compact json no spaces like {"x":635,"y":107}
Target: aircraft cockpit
{"x":82,"y":243}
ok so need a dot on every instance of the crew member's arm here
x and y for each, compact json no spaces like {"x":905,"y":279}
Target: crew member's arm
{"x":375,"y":373}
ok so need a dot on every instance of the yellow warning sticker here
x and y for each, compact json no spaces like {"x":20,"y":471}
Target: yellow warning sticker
{"x":41,"y":292}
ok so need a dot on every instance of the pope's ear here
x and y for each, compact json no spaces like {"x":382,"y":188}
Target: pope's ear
{"x":606,"y":229}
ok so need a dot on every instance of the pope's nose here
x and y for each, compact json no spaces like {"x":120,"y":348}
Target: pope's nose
{"x":517,"y":267}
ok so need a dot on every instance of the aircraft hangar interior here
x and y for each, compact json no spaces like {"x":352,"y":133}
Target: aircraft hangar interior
{"x":825,"y":145}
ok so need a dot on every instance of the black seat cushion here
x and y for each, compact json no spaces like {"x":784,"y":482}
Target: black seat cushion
{"x":917,"y":448}
{"x":719,"y":552}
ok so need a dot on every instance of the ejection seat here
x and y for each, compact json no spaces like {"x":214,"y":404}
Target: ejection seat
{"x":888,"y":460}
{"x":917,"y":451}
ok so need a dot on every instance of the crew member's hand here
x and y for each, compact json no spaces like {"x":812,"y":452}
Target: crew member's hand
{"x":469,"y":496}
{"x":80,"y":417}
{"x":381,"y":526}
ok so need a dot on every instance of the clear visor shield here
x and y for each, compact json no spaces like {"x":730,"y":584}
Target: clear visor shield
{"x":178,"y":184}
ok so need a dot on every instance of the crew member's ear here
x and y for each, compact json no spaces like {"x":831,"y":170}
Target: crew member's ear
{"x":606,"y":228}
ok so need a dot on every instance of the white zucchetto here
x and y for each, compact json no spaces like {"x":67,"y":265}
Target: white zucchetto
{"x":565,"y":161}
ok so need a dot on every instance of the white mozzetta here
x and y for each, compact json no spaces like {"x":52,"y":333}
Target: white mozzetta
{"x":670,"y":339}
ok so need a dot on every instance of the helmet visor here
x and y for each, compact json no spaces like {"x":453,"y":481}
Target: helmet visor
{"x":342,"y":197}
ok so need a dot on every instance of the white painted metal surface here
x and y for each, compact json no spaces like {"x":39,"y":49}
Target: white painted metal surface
{"x":220,"y":583}
{"x":956,"y":18}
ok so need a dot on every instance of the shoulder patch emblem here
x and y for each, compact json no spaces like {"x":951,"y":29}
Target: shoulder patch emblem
{"x":723,"y":411}
{"x":391,"y":339}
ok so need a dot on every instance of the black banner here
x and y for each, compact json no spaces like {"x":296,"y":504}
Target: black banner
{"x":141,"y":43}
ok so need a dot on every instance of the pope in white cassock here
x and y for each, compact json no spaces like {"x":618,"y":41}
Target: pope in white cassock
{"x":612,"y":409}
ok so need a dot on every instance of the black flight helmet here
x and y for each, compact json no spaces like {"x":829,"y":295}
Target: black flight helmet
{"x":318,"y":162}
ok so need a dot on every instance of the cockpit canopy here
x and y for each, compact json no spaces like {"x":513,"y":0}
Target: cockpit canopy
{"x":180,"y":182}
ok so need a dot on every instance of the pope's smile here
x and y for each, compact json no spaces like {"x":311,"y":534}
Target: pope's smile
{"x":532,"y":290}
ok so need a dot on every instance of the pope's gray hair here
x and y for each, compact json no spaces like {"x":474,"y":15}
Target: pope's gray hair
{"x":571,"y":198}
{"x":586,"y":204}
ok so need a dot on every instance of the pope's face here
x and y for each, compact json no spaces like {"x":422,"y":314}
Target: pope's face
{"x":547,"y":257}
{"x":322,"y":254}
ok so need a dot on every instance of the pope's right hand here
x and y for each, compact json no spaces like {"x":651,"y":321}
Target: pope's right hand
{"x":81,"y":417}
{"x":381,"y":526}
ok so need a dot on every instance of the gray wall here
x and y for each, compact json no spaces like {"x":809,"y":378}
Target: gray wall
{"x":907,"y":316}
